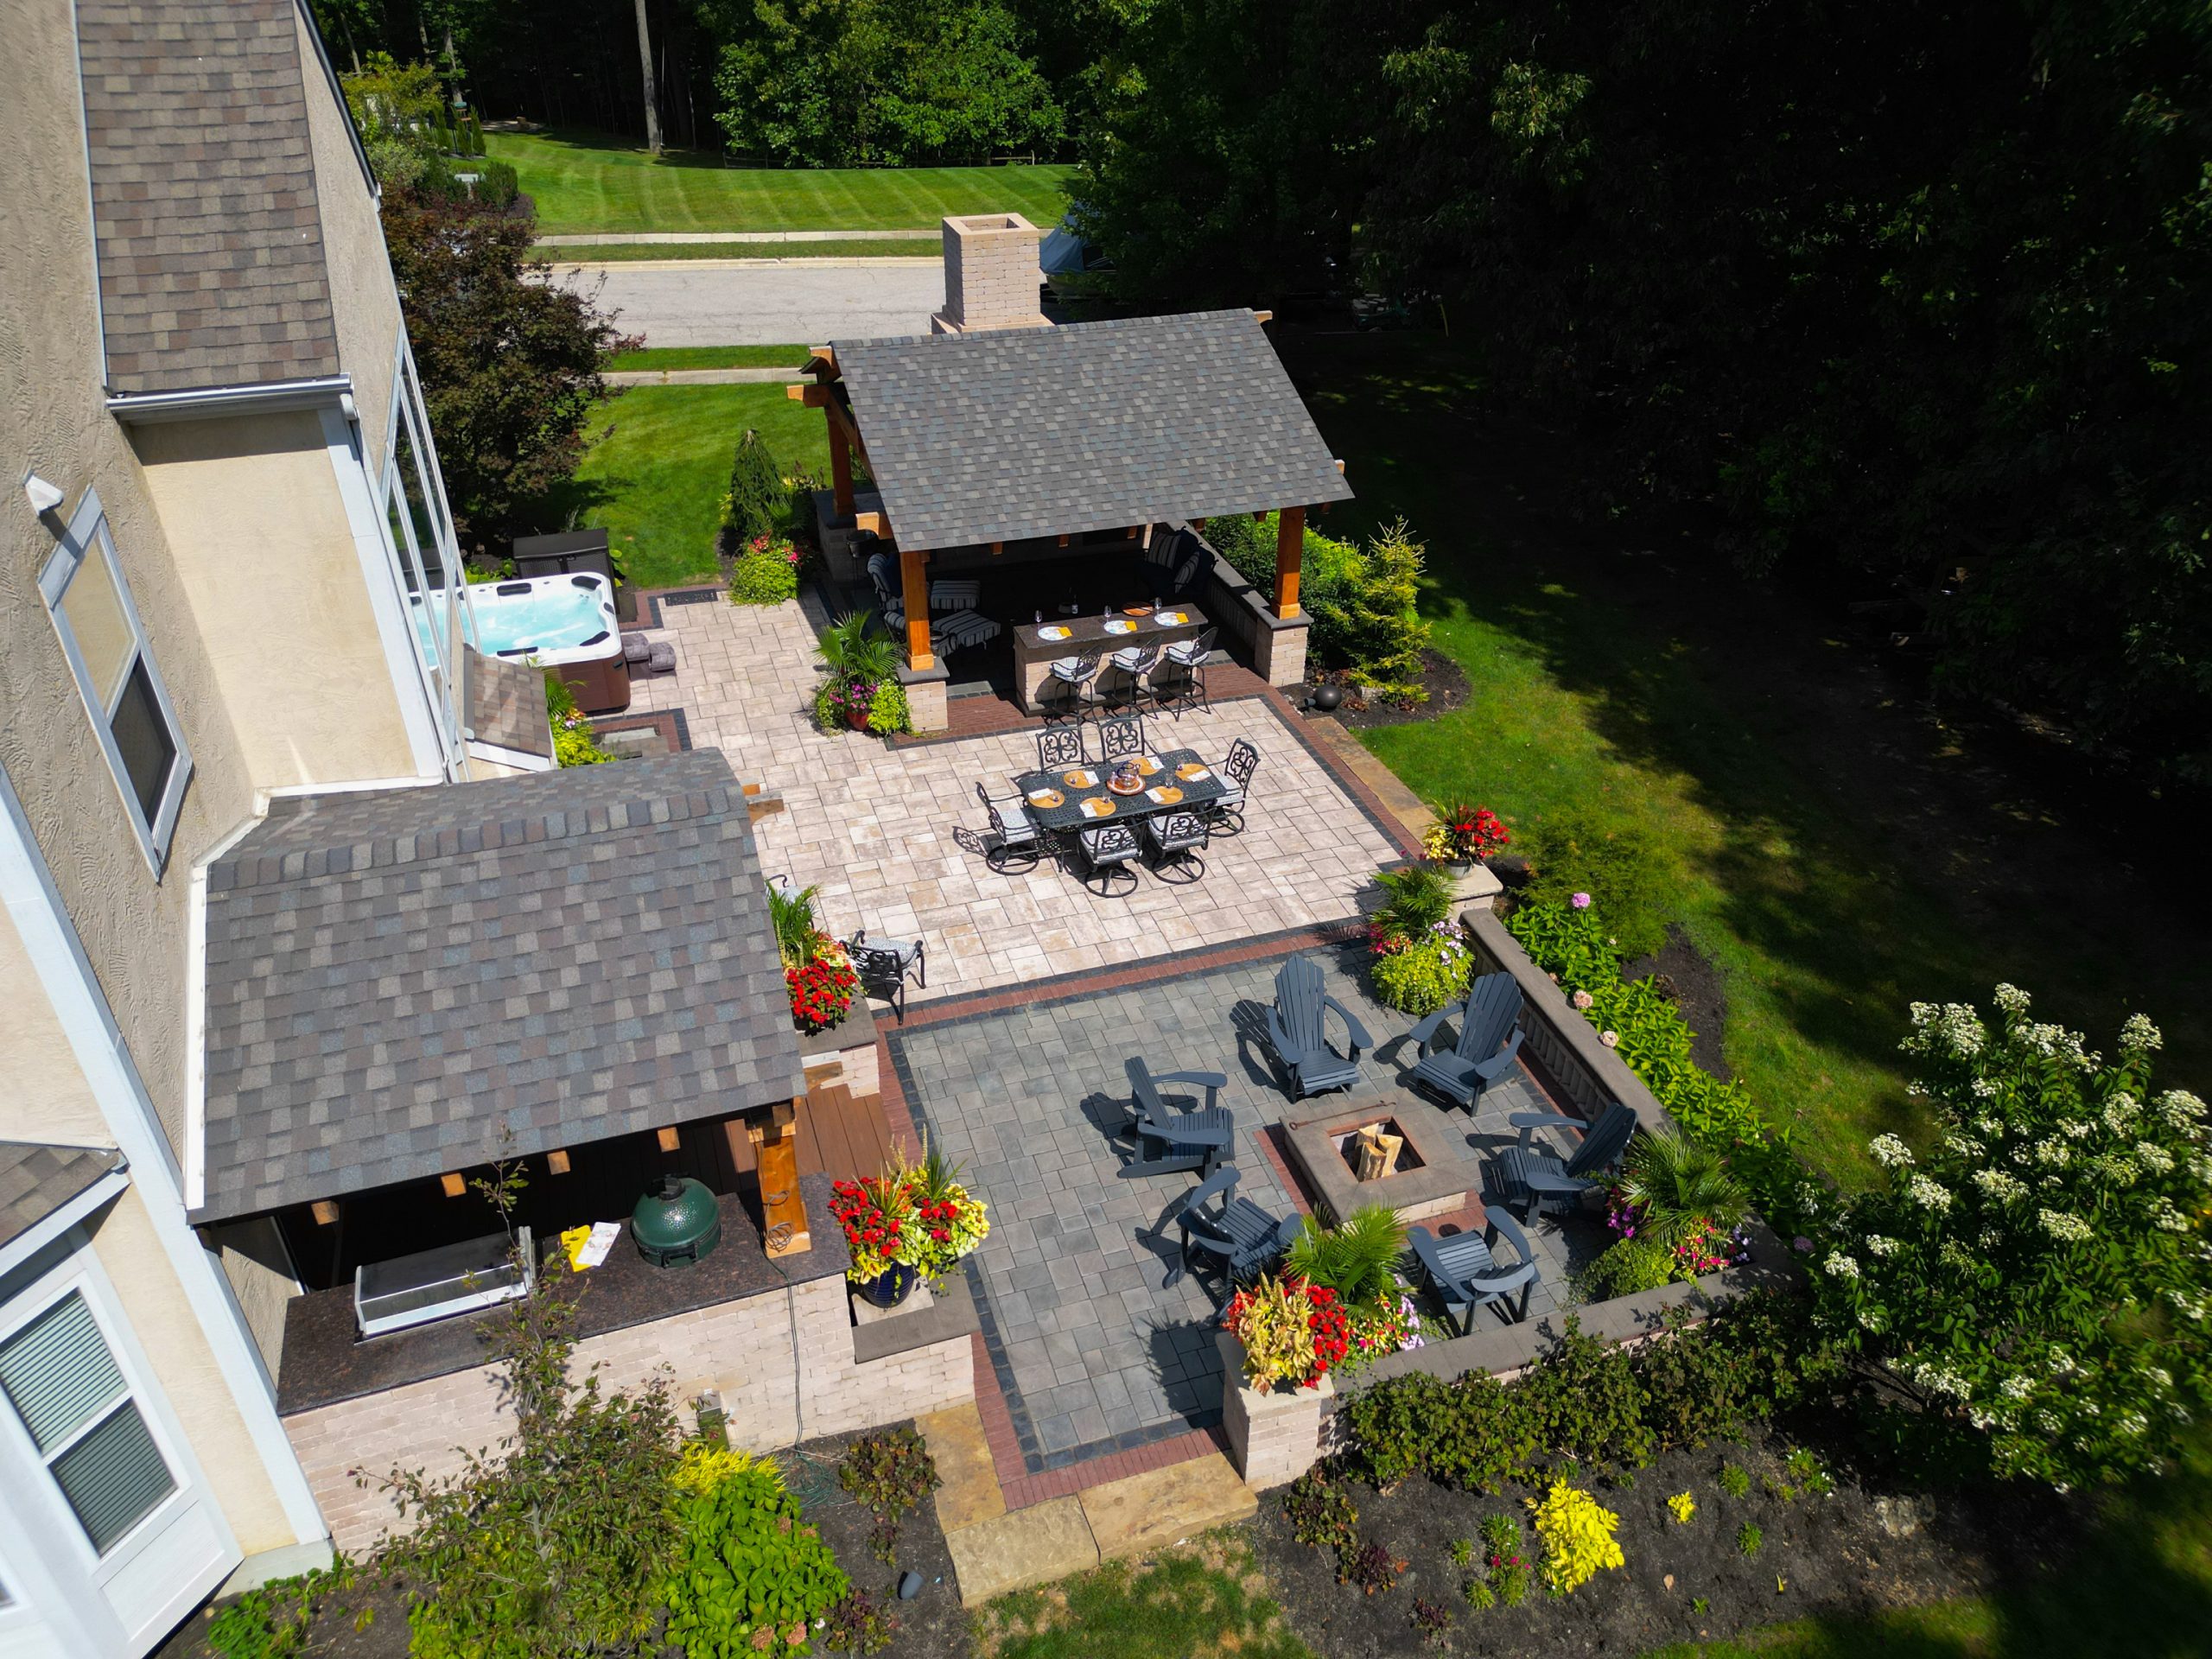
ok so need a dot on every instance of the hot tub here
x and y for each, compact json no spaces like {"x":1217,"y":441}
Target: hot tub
{"x":565,"y":622}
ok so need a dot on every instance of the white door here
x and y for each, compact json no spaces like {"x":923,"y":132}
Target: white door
{"x":115,"y":1525}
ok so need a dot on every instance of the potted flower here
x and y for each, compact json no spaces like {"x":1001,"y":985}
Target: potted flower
{"x":1418,"y":961}
{"x":861,"y":690}
{"x":819,"y":974}
{"x":910,"y":1222}
{"x":1464,"y":835}
{"x":1293,"y":1332}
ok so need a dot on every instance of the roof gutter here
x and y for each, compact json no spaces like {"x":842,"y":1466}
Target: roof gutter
{"x":210,"y":402}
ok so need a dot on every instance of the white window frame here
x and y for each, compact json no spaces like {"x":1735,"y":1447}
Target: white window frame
{"x":88,"y":536}
{"x":152,"y":1411}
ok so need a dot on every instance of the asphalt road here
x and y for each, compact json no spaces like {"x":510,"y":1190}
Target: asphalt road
{"x":764,"y":301}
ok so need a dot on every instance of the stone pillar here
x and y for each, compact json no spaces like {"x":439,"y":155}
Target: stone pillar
{"x":926,"y":703}
{"x":1279,"y":651}
{"x":1273,"y":1438}
{"x":991,"y":275}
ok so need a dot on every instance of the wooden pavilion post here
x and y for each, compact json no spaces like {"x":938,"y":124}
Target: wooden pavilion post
{"x":1290,"y":543}
{"x":774,"y":1134}
{"x":914,"y":584}
{"x":841,"y":465}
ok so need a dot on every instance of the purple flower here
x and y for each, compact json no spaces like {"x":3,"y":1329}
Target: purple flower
{"x":1581,"y":902}
{"x":1801,"y":1243}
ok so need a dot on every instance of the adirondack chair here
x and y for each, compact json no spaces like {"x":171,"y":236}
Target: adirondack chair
{"x":1236,"y":1234}
{"x":1489,"y":1017}
{"x":1170,"y":1140}
{"x":1529,"y":1175}
{"x":1298,"y":1029}
{"x":1466,"y":1274}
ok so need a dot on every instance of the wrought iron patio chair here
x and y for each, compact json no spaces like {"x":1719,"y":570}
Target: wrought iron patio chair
{"x":885,"y":966}
{"x":1466,"y":1273}
{"x":1529,"y":1175}
{"x":1235,"y":1234}
{"x":1060,"y":745}
{"x":1133,"y":664}
{"x":1170,"y":1140}
{"x":1120,"y":738}
{"x":1011,"y":837}
{"x":1490,"y":1037}
{"x":1078,"y":677}
{"x":1111,"y":850}
{"x":1178,"y":842}
{"x":1186,"y":684}
{"x":1236,"y":774}
{"x":1298,"y":1029}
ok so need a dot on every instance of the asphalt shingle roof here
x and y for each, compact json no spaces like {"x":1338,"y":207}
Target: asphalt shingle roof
{"x":395,"y":978}
{"x":205,"y":216}
{"x":36,"y":1179}
{"x":1026,"y":432}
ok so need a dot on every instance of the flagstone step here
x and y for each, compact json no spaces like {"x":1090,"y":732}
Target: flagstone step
{"x":968,"y":1487}
{"x":1163,"y":1507}
{"x":1022,"y":1548}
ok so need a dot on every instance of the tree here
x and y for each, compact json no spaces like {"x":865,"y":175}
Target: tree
{"x":558,"y":1543}
{"x":397,"y":108}
{"x":510,"y":362}
{"x":2038,"y":1274}
{"x":645,"y":61}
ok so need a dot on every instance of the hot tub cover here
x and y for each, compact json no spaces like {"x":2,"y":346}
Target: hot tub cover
{"x":402,"y":982}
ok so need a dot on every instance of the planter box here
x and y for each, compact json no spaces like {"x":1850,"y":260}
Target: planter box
{"x":843,"y":1056}
{"x":1273,"y":1438}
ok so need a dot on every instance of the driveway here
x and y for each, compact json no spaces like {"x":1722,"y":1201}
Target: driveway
{"x":764,"y":301}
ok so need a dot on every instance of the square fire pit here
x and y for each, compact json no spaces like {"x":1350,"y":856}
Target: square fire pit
{"x":1430,"y":1179}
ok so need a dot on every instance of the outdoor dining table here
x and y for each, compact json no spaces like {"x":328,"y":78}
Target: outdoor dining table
{"x":1060,"y":801}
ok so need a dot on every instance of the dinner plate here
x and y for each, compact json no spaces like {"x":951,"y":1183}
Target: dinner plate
{"x":1096,"y":808}
{"x":1191,"y":773}
{"x":1047,"y":797}
{"x":1052,"y":634}
{"x":1119,"y":626}
{"x":1080,"y":779}
{"x":1146,"y":765}
{"x":1167,"y":794}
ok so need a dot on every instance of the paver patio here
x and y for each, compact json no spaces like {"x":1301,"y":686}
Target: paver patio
{"x":891,"y":835}
{"x":1092,"y":1352}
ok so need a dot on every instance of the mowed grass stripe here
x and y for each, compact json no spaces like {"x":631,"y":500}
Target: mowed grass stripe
{"x":582,"y":182}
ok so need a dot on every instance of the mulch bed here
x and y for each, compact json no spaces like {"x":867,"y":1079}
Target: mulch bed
{"x":1446,"y":682}
{"x":1696,"y":987}
{"x":1863,"y":1548}
{"x":932,"y":1626}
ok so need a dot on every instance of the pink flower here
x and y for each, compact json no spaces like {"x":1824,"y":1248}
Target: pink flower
{"x":1582,"y":999}
{"x":1581,"y":902}
{"x":1610,"y":1039}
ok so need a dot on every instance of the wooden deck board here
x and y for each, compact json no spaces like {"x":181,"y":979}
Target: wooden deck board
{"x":838,"y":1136}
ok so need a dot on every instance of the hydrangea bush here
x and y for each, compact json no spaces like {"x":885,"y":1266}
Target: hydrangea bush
{"x":2041,"y":1272}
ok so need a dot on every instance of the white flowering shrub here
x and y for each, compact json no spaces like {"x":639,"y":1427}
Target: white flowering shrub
{"x":2041,"y":1273}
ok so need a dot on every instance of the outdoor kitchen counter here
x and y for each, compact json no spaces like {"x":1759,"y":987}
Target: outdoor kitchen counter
{"x":325,"y":1362}
{"x":1033,"y":657}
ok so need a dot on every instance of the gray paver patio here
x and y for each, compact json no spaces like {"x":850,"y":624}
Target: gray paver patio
{"x":882,"y":829}
{"x":1093,"y":1353}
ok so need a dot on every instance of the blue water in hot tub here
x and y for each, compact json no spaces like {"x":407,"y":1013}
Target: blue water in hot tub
{"x":555,"y":616}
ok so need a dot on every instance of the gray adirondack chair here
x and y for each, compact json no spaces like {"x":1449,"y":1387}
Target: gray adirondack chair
{"x":1466,"y":1273}
{"x":1235,"y":1234}
{"x":1488,"y":1018}
{"x":1298,"y":1029}
{"x":1528,"y":1175}
{"x":1169,"y":1140}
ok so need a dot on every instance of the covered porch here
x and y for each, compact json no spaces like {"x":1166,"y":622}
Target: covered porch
{"x":1022,"y":481}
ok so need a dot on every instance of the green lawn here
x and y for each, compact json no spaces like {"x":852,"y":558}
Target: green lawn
{"x":711,"y":357}
{"x":584,"y":182}
{"x":1697,"y":712}
{"x":603,"y":253}
{"x":655,"y":480}
{"x":1207,"y":1602}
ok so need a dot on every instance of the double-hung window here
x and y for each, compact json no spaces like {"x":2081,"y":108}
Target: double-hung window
{"x":105,"y":643}
{"x":60,"y":1376}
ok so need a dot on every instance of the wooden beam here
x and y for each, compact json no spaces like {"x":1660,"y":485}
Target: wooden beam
{"x":784,"y":1229}
{"x":1263,"y":316}
{"x":998,"y":547}
{"x":1340,"y":468}
{"x":455,"y":1185}
{"x":557,"y":1161}
{"x":1261,"y":517}
{"x":914,"y":584}
{"x":841,"y":470}
{"x":325,"y":1211}
{"x":874,"y":522}
{"x":669,"y":1140}
{"x":827,"y":354}
{"x":1290,"y":545}
{"x":1063,"y":541}
{"x":814,"y":394}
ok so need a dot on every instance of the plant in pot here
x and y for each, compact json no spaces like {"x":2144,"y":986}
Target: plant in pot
{"x":1465,"y":836}
{"x":862,"y":690}
{"x":1419,"y":962}
{"x":1293,"y":1332}
{"x":910,"y":1222}
{"x":1678,"y":1213}
{"x":1357,"y":1259}
{"x":820,"y":975}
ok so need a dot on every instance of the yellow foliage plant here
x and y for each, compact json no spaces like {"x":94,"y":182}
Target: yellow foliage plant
{"x":1578,"y":1537}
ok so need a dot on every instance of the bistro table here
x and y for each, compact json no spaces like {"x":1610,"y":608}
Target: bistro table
{"x":1036,"y":645}
{"x":1171,"y":773}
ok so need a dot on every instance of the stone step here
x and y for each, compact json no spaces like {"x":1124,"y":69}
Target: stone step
{"x":1021,"y":1549}
{"x":968,"y":1487}
{"x":1163,"y":1507}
